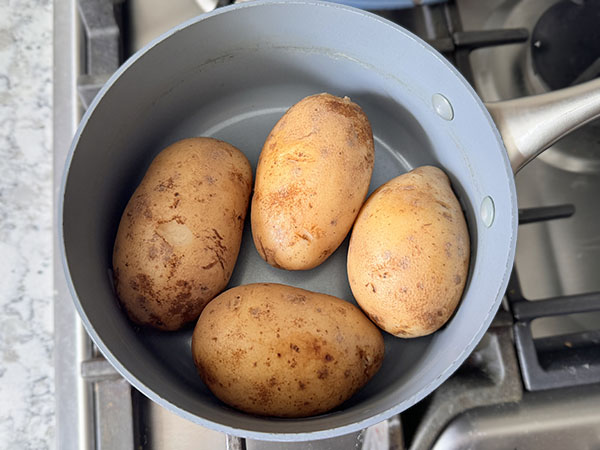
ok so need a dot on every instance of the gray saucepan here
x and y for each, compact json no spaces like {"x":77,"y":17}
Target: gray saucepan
{"x":231,"y":74}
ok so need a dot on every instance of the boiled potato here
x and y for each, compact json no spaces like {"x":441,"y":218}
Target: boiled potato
{"x":409,"y":253}
{"x":180,"y":233}
{"x":278,"y":350}
{"x":312,"y":178}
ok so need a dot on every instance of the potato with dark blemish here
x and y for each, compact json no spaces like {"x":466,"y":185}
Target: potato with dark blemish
{"x":408,"y":258}
{"x":277,"y":350}
{"x":312,"y":178}
{"x":180,"y":234}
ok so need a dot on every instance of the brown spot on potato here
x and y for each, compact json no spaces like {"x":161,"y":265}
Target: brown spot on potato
{"x":263,"y":393}
{"x":297,"y":298}
{"x":156,"y":321}
{"x":140,"y":206}
{"x":267,"y":254}
{"x":295,"y":348}
{"x":234,"y":303}
{"x":152,"y":252}
{"x":183,"y":296}
{"x":301,"y":385}
{"x":210,"y":265}
{"x":323,"y":373}
{"x":289,"y":196}
{"x":299,"y":322}
{"x":400,"y":331}
{"x":205,"y":372}
{"x":304,"y":236}
{"x":165,"y":185}
{"x":375,"y":318}
{"x":238,"y":177}
{"x":328,"y":357}
{"x":316,"y":346}
{"x":430,"y":319}
{"x":340,"y":106}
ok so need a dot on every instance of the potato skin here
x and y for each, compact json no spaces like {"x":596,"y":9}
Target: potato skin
{"x":312,"y":178}
{"x":408,"y":258}
{"x":277,"y":350}
{"x":180,"y":233}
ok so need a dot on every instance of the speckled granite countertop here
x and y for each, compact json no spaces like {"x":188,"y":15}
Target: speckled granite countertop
{"x":26,"y":360}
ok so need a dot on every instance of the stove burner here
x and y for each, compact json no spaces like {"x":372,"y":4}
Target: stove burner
{"x":565,"y":44}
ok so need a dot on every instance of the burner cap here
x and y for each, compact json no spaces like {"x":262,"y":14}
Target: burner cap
{"x":565,"y":44}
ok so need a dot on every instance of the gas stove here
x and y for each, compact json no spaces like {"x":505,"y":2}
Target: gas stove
{"x":534,"y":380}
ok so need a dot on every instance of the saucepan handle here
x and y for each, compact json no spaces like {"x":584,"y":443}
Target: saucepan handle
{"x":530,"y":125}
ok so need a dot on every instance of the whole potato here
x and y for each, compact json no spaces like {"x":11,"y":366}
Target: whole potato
{"x":278,"y":350}
{"x":180,"y":233}
{"x":408,"y":258}
{"x":312,"y":178}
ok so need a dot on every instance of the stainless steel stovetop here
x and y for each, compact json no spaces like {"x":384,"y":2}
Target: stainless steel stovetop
{"x":534,"y":380}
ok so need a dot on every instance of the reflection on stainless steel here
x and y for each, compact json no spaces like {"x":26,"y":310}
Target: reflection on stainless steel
{"x":112,"y":406}
{"x":164,"y":430}
{"x":148,"y":19}
{"x":566,"y":418}
{"x":490,"y":377}
{"x":350,"y":442}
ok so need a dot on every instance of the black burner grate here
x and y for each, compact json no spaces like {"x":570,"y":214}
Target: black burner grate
{"x":557,"y":361}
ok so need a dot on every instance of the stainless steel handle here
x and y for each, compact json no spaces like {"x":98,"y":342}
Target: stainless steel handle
{"x":530,"y":125}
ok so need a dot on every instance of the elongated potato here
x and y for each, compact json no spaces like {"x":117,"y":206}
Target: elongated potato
{"x":312,"y":178}
{"x":408,"y":258}
{"x":278,"y":350}
{"x":180,"y":233}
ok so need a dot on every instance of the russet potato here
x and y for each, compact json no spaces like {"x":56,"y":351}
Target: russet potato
{"x":180,"y":234}
{"x":312,"y":178}
{"x":408,"y":258}
{"x":277,"y":350}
